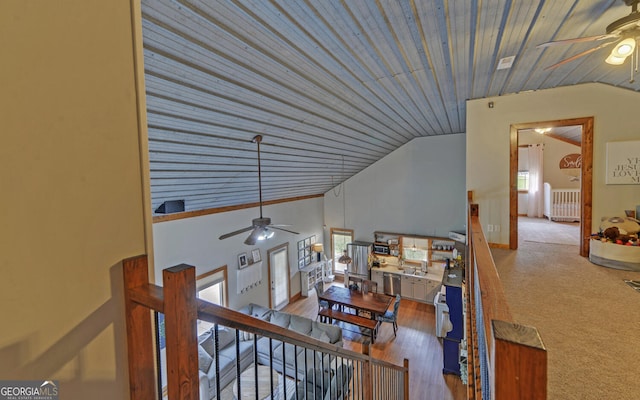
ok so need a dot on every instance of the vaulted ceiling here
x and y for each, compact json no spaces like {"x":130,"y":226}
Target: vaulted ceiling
{"x":335,"y":85}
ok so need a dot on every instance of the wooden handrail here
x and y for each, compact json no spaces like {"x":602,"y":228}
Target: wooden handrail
{"x":178,"y":301}
{"x":506,"y":360}
{"x":494,"y":301}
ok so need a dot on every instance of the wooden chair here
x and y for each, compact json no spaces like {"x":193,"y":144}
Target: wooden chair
{"x":319,"y":286}
{"x":355,"y":280}
{"x":369,"y":286}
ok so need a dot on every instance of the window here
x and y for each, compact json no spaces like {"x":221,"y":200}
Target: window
{"x":339,"y":240}
{"x":212,"y":287}
{"x":523,"y":181}
{"x":414,"y":249}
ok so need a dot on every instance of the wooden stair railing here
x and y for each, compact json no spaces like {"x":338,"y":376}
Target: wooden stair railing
{"x":177,"y":300}
{"x":506,"y":360}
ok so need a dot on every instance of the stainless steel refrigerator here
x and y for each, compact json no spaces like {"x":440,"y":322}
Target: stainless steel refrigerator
{"x":360,"y":253}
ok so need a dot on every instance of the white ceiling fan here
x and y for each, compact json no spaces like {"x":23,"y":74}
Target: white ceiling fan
{"x":261,"y":227}
{"x":624,"y":32}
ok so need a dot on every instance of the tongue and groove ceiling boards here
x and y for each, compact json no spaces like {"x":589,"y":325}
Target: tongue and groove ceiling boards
{"x":335,"y":85}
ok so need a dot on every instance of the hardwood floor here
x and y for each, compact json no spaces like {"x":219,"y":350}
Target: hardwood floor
{"x":415,"y":341}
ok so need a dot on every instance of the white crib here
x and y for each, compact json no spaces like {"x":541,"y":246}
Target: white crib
{"x":561,"y":204}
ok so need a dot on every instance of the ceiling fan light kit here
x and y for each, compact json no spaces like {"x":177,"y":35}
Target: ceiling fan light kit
{"x":613,"y":60}
{"x":261,"y":228}
{"x":625,"y":29}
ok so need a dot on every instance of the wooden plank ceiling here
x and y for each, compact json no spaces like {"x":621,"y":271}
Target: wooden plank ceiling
{"x":335,"y":85}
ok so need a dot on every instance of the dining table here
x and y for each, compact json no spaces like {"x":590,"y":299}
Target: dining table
{"x":373,"y":303}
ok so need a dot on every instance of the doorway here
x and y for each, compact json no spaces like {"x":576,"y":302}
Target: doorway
{"x":279,"y":276}
{"x":586,"y":180}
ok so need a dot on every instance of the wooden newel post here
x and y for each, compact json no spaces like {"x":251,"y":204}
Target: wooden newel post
{"x":180,"y":318}
{"x":519,"y":362}
{"x":366,"y":386}
{"x":142,"y":376}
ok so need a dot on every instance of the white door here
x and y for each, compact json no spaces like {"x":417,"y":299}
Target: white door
{"x":279,"y":275}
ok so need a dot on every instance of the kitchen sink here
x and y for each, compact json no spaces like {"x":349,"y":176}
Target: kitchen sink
{"x":409,"y":270}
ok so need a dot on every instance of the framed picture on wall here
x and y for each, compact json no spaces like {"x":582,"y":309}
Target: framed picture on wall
{"x":242,"y":260}
{"x":313,"y":239}
{"x":301,"y":245}
{"x":307,"y":242}
{"x":255,"y":253}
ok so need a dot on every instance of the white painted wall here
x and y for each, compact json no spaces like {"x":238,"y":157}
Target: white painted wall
{"x":194,"y":241}
{"x":417,"y":189}
{"x":72,"y":192}
{"x":488,"y":130}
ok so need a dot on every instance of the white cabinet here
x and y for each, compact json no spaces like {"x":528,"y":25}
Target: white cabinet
{"x":419,"y":288}
{"x":309,"y":275}
{"x":433,"y":287}
{"x":376,"y":276}
{"x":413,"y":288}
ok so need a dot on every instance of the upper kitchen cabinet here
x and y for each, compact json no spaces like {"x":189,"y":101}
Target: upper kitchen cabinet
{"x":387,"y":243}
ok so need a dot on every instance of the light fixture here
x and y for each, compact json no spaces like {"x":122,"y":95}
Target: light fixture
{"x":318,"y":248}
{"x":345,"y":259}
{"x":622,"y":50}
{"x":613,"y":60}
{"x":265,"y":234}
{"x":542,"y":131}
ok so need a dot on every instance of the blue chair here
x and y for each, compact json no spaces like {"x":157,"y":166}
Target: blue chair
{"x":392,"y":316}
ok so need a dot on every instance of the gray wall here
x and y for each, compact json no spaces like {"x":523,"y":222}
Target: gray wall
{"x":417,"y":189}
{"x":194,"y":241}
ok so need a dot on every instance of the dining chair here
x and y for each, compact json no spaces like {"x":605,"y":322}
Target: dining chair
{"x":369,"y":286}
{"x":392,"y":316}
{"x":319,"y":286}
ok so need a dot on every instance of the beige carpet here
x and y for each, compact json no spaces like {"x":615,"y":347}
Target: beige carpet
{"x":588,"y":317}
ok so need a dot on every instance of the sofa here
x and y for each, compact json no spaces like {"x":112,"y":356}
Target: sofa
{"x":325,"y":386}
{"x":226,"y":357}
{"x":318,"y":330}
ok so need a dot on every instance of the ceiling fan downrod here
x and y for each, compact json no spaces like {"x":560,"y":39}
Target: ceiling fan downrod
{"x":257,"y":139}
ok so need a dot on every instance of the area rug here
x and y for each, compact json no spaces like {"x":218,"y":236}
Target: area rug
{"x":227,"y":392}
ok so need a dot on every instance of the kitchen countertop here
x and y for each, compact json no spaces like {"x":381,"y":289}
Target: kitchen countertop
{"x":434,"y":273}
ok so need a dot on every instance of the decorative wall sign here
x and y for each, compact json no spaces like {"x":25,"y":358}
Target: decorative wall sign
{"x":571,"y":161}
{"x":571,"y":165}
{"x":623,"y":163}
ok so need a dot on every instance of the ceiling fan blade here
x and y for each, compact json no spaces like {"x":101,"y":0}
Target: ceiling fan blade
{"x":576,"y":40}
{"x":282,"y":229}
{"x":239,"y":231}
{"x":575,"y":57}
{"x":253,"y":237}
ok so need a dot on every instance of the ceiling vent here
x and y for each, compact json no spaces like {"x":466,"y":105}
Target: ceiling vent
{"x":506,"y":63}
